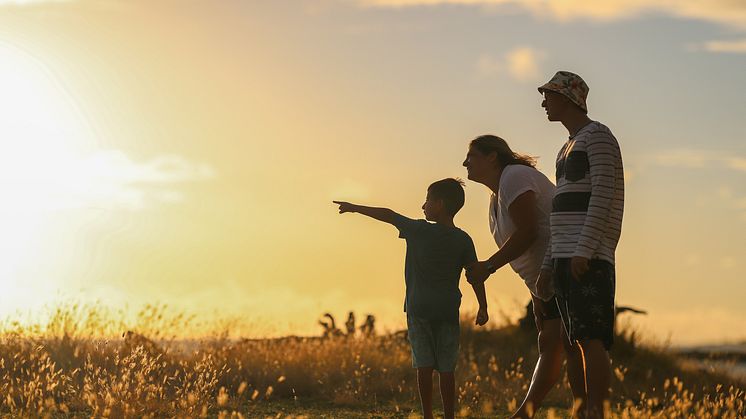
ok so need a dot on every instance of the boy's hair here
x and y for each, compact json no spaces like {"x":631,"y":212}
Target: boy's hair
{"x":487,"y":144}
{"x":451,"y":191}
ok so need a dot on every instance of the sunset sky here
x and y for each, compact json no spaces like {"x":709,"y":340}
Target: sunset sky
{"x":187,"y":152}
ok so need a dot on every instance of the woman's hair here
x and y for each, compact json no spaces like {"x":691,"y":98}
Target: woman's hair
{"x":487,"y":144}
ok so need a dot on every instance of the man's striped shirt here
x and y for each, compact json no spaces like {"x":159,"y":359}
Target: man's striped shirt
{"x":588,"y":203}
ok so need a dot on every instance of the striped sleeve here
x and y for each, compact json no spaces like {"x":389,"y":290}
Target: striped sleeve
{"x":603,"y":152}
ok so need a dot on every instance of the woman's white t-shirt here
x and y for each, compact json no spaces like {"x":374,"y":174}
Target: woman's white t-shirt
{"x":515,"y":180}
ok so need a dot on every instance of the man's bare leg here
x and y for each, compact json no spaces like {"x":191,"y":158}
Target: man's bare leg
{"x":448,"y":394}
{"x":425,"y":387}
{"x":547,"y":370}
{"x":597,"y":377}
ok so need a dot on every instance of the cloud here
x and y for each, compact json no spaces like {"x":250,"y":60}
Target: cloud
{"x":687,"y":158}
{"x":736,"y":47}
{"x":737,"y":163}
{"x":725,"y":12}
{"x":683,"y":158}
{"x":521,"y":63}
{"x":727,"y":263}
{"x":27,"y":2}
{"x":107,"y":179}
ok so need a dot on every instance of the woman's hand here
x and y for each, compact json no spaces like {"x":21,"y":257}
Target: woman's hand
{"x":477,"y":272}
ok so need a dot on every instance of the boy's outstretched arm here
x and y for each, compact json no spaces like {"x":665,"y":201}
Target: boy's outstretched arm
{"x":381,"y":214}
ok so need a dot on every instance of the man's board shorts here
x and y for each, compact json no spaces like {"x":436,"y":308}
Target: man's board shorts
{"x":586,"y":305}
{"x":434,"y":343}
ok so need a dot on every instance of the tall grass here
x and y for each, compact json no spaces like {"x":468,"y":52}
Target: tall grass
{"x":91,"y":361}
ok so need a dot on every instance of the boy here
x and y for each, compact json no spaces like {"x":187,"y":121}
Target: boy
{"x":437,"y":251}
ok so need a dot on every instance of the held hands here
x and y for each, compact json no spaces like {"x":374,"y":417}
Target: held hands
{"x":345,"y":206}
{"x":482,"y":316}
{"x":477,"y":272}
{"x":578,"y":267}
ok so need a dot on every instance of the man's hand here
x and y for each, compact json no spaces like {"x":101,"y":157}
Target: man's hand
{"x":345,"y":206}
{"x":539,"y":312}
{"x":482,"y":316}
{"x":477,"y":272}
{"x":578,"y":267}
{"x":544,"y":283}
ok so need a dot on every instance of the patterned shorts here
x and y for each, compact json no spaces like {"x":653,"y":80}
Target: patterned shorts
{"x":434,"y":343}
{"x":586,"y":305}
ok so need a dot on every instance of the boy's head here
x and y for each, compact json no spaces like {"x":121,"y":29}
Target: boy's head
{"x":444,"y":198}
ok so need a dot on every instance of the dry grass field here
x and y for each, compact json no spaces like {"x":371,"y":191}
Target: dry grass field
{"x":88,"y":361}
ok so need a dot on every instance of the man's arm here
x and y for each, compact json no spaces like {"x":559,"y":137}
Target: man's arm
{"x":381,"y":214}
{"x":602,"y":151}
{"x":525,"y":218}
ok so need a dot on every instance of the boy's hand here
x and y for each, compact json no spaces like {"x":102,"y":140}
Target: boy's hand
{"x":482,"y":316}
{"x":477,"y":272}
{"x":345,"y":206}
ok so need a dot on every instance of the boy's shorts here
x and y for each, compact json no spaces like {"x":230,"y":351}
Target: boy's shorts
{"x":434,"y":343}
{"x":586,"y":305}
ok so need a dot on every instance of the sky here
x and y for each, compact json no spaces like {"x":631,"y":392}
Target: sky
{"x":187,"y":152}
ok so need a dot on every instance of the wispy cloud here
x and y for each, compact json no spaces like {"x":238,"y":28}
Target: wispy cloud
{"x":688,"y":158}
{"x":108,"y":179}
{"x":737,"y":46}
{"x":684,"y":158}
{"x":27,"y":2}
{"x":726,"y":12}
{"x":521,"y":63}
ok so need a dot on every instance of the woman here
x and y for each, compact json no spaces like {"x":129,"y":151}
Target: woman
{"x":520,"y":206}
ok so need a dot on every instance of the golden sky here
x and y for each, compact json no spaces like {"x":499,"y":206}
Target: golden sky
{"x":187,"y":152}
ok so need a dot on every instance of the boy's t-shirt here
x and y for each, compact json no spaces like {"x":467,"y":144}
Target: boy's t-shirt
{"x":436,"y":255}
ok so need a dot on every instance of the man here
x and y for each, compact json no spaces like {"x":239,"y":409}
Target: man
{"x":586,"y":223}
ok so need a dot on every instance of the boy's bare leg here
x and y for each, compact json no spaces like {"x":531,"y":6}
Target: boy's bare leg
{"x":575,"y":375}
{"x":425,"y":386}
{"x":448,"y":394}
{"x":597,"y":376}
{"x":547,"y":370}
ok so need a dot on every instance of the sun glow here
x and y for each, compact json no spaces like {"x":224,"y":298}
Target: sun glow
{"x":41,"y":132}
